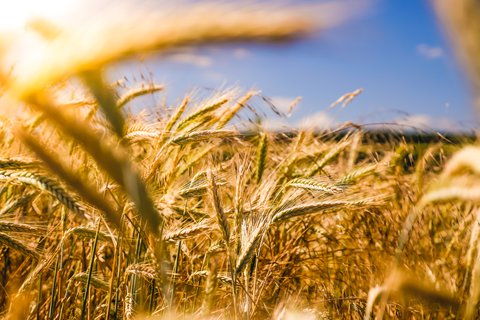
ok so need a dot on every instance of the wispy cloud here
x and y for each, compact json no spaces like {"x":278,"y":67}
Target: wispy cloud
{"x":429,"y":52}
{"x":317,"y":121}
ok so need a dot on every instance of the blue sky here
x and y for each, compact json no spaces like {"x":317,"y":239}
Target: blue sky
{"x":396,"y":52}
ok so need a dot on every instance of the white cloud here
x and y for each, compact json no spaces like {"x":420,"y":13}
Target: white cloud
{"x":429,"y":52}
{"x":241,"y":53}
{"x":421,"y":121}
{"x":214,"y":76}
{"x":282,"y":103}
{"x":270,"y":124}
{"x":191,"y":58}
{"x":286,"y":105}
{"x":334,"y":13}
{"x":317,"y":121}
{"x":426,"y":122}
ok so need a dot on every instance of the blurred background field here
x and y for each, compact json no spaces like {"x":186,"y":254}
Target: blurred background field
{"x":245,"y":160}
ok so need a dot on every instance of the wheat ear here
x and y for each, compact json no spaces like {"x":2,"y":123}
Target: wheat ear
{"x":94,"y":281}
{"x":17,"y":164}
{"x":174,"y":118}
{"x":87,"y":233}
{"x":305,"y":209}
{"x":231,"y":112}
{"x":46,"y":184}
{"x":137,"y":92}
{"x":88,"y":192}
{"x":200,"y":113}
{"x":15,"y":244}
{"x":221,"y":216}
{"x":185,"y":233}
{"x":261,"y":156}
{"x":248,"y":249}
{"x":312,"y":184}
{"x":144,"y":270}
{"x":19,"y":227}
{"x":204,"y":135}
{"x":328,"y":157}
{"x":113,"y":160}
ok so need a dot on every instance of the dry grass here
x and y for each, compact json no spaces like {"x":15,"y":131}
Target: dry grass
{"x":194,"y":213}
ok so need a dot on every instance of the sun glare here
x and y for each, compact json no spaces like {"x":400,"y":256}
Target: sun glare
{"x":16,"y":14}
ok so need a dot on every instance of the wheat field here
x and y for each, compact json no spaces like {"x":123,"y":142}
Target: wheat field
{"x":194,"y":209}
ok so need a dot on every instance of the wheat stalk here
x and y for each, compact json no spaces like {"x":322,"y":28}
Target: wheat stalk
{"x":103,"y":93}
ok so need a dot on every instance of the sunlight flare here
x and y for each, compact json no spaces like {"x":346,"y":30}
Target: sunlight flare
{"x":16,"y":14}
